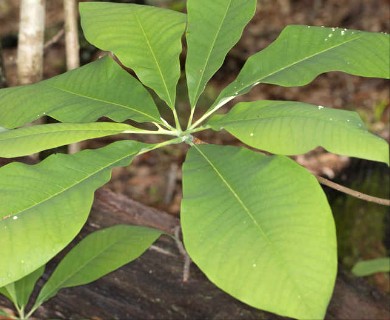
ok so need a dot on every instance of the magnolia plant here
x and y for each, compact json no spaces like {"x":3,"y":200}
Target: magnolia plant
{"x":257,"y":224}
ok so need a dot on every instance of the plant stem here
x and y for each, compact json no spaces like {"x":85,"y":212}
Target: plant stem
{"x":210,"y":112}
{"x":160,"y":131}
{"x":351,"y":192}
{"x":191,"y":117}
{"x":177,"y":122}
{"x":161,"y":144}
{"x":199,"y":129}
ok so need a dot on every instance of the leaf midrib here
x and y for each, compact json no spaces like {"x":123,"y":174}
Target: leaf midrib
{"x":155,"y":61}
{"x":230,"y":188}
{"x":67,"y":131}
{"x":75,"y":271}
{"x":66,"y":189}
{"x":260,"y":80}
{"x":246,"y":209}
{"x":77,"y":94}
{"x":294,"y":117}
{"x":212,"y":46}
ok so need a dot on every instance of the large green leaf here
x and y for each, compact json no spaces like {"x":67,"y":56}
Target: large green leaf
{"x":301,"y":53}
{"x":42,"y":207}
{"x":260,"y":228}
{"x":28,"y":140}
{"x":101,"y":88}
{"x":286,"y":127}
{"x":212,"y":30}
{"x":144,"y":38}
{"x":98,"y":254}
{"x":19,"y":292}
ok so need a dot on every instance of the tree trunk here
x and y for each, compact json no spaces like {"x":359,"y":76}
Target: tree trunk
{"x":152,"y":288}
{"x":31,"y":38}
{"x":72,"y":47}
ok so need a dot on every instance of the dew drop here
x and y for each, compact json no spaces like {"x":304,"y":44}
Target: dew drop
{"x":333,"y":29}
{"x":15,"y":217}
{"x":320,"y":107}
{"x":251,"y":134}
{"x":342,"y":32}
{"x":254,"y":265}
{"x":330,"y":35}
{"x":330,"y":119}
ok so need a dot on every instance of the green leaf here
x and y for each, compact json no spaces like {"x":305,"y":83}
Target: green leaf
{"x":369,"y":267}
{"x":301,"y":53}
{"x":144,"y":38}
{"x":98,"y":254}
{"x":28,"y":140}
{"x":44,"y":206}
{"x":101,"y":88}
{"x":260,"y":228}
{"x":19,"y":292}
{"x":213,"y":29}
{"x":286,"y":127}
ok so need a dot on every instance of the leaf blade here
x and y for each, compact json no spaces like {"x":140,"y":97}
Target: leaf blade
{"x":291,"y":128}
{"x":223,"y":22}
{"x":32,"y":139}
{"x":301,"y":53}
{"x":96,"y":255}
{"x":251,"y":256}
{"x":145,"y":39}
{"x":100,"y":88}
{"x":57,"y":194}
{"x":19,"y":292}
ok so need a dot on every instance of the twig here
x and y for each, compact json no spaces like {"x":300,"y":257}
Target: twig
{"x":351,"y":192}
{"x":161,"y":250}
{"x":54,"y":39}
{"x":187,"y":259}
{"x":171,"y":183}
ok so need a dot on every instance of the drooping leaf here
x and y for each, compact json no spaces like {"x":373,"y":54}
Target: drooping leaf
{"x":97,"y":255}
{"x":301,"y":53}
{"x":144,"y":38}
{"x":100,"y":88}
{"x":28,"y":140}
{"x":43,"y":207}
{"x":19,"y":292}
{"x":260,"y":228}
{"x":212,"y":30}
{"x":369,"y":267}
{"x":290,"y":128}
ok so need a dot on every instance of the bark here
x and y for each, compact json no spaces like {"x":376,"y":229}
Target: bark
{"x":31,"y":39}
{"x":71,"y":34}
{"x":152,"y":287}
{"x":72,"y":47}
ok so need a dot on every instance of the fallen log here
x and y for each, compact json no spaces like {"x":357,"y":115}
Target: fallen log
{"x":152,"y":288}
